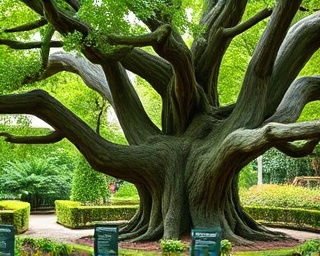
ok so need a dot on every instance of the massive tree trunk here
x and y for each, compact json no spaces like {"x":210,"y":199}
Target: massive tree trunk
{"x":186,"y":172}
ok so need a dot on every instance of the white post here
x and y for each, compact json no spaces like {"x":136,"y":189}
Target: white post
{"x":259,"y":159}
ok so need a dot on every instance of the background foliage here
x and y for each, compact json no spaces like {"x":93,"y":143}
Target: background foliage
{"x":88,"y":186}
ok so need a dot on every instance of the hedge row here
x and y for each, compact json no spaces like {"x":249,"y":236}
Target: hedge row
{"x":15,"y":213}
{"x":73,"y":215}
{"x":298,"y":218}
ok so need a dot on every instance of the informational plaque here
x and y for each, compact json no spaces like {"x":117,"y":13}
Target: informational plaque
{"x":106,"y":240}
{"x":205,"y":242}
{"x":7,"y":238}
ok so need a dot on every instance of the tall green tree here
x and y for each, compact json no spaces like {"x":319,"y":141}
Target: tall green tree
{"x":185,"y":171}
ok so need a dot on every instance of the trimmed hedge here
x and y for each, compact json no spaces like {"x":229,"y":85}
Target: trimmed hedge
{"x":15,"y":213}
{"x":293,"y":217}
{"x":74,"y":215}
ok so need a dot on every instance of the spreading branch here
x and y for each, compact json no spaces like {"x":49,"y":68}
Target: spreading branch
{"x":29,"y":45}
{"x":152,"y":39}
{"x":46,"y":139}
{"x":92,"y":75}
{"x":301,"y":92}
{"x":293,"y":150}
{"x":302,"y":41}
{"x":234,"y":31}
{"x":27,"y":27}
{"x":209,"y":50}
{"x":267,"y":49}
{"x":150,"y":67}
{"x":257,"y":141}
{"x":135,"y":122}
{"x":63,"y":21}
{"x":104,"y":156}
{"x":258,"y":75}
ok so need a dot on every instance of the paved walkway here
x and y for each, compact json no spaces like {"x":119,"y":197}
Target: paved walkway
{"x":46,"y":226}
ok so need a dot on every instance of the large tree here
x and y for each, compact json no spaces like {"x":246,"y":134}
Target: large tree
{"x":185,"y":171}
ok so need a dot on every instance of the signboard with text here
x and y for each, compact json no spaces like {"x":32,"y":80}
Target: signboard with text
{"x":106,"y":240}
{"x":205,"y":242}
{"x":7,"y":238}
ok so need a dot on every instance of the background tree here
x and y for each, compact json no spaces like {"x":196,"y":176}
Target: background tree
{"x":185,"y":171}
{"x":280,"y":169}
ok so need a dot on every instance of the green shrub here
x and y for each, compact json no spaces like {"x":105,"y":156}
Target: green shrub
{"x":292,"y":217}
{"x":74,"y":215}
{"x":126,"y":192}
{"x":172,"y":247}
{"x":310,"y":247}
{"x":41,"y":246}
{"x":285,"y":196}
{"x":15,"y":213}
{"x":89,"y":186}
{"x":226,"y":247}
{"x":247,"y":177}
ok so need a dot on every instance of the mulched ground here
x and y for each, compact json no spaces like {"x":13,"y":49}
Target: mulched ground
{"x":154,"y":246}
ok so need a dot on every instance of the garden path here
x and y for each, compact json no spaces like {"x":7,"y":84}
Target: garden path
{"x":46,"y":226}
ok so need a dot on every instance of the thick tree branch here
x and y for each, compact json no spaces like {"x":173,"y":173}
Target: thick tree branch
{"x":27,"y":27}
{"x":302,"y":41}
{"x":46,"y":139}
{"x":256,"y":141}
{"x":92,"y":75}
{"x":209,"y":50}
{"x":136,"y":124}
{"x":184,"y":90}
{"x":62,"y":21}
{"x":152,"y":39}
{"x":294,"y":150}
{"x":258,"y":75}
{"x":301,"y":92}
{"x":267,"y":49}
{"x":152,"y":68}
{"x":30,"y":45}
{"x":234,"y":31}
{"x":104,"y":156}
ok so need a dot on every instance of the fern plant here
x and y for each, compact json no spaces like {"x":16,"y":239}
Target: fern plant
{"x":37,"y":181}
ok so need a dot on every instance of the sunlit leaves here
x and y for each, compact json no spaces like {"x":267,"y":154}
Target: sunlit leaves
{"x":107,"y":16}
{"x":16,"y":67}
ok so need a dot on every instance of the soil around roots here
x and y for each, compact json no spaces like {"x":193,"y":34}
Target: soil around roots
{"x":155,"y":246}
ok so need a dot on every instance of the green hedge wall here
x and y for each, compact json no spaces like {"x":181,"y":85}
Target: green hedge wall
{"x":15,"y":213}
{"x":73,"y":215}
{"x":294,"y":217}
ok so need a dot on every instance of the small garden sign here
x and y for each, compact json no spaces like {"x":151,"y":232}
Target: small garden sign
{"x":205,"y":242}
{"x":106,"y":240}
{"x":7,"y":239}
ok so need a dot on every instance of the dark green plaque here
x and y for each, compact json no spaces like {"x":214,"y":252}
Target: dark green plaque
{"x":105,"y":240}
{"x":205,"y":242}
{"x":7,"y":236}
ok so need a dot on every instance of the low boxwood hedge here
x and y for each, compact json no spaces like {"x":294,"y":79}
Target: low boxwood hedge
{"x":289,"y":217}
{"x":15,"y":213}
{"x":74,"y":215}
